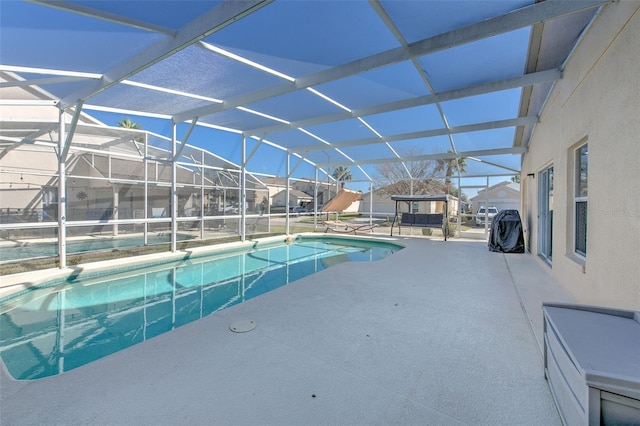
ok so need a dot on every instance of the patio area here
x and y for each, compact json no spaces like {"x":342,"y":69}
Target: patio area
{"x":438,"y":333}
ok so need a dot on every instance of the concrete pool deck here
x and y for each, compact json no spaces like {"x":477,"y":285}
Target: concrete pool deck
{"x":438,"y":333}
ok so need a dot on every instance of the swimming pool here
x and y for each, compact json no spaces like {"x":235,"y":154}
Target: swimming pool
{"x":66,"y":324}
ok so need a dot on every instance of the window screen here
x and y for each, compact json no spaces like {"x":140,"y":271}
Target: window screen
{"x":581,"y":192}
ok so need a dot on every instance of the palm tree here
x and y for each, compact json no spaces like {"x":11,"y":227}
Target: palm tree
{"x":343,"y":174}
{"x":450,"y":165}
{"x":126,"y":123}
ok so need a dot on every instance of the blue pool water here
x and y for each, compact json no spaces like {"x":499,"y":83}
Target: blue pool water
{"x":65,"y":325}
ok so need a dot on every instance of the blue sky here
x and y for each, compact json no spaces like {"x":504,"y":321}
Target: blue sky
{"x":31,"y":36}
{"x":228,"y":146}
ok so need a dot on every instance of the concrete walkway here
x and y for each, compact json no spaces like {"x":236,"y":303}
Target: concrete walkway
{"x":437,"y":334}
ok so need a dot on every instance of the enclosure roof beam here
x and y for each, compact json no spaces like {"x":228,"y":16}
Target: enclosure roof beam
{"x":41,"y":81}
{"x":185,"y":139}
{"x":443,"y":156}
{"x":480,"y":89}
{"x":117,"y":141}
{"x":520,"y":18}
{"x":71,"y":132}
{"x":493,"y":164}
{"x":105,"y":16}
{"x":489,"y":125}
{"x":253,"y":151}
{"x":204,"y":25}
{"x":300,"y":160}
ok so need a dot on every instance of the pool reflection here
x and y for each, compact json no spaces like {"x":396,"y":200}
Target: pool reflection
{"x":56,"y":329}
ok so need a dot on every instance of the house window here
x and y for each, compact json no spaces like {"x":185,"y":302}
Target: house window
{"x":545,"y":213}
{"x":580,"y":199}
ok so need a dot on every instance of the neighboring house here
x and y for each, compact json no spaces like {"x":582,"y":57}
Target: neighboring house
{"x":102,"y":186}
{"x":580,"y":186}
{"x":504,"y":196}
{"x":383,"y":205}
{"x":276,"y":185}
{"x":105,"y":171}
{"x":296,"y":198}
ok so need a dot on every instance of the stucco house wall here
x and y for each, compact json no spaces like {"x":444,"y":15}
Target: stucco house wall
{"x":503,"y":196}
{"x":383,"y":205}
{"x":277,"y":185}
{"x":296,"y":198}
{"x":597,"y":102}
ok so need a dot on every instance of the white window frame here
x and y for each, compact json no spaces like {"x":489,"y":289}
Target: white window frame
{"x":579,"y":198}
{"x":546,"y":179}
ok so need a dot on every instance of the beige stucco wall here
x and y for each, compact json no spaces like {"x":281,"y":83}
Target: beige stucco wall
{"x":500,"y":196}
{"x":304,"y":186}
{"x":382,"y":204}
{"x":598,"y":102}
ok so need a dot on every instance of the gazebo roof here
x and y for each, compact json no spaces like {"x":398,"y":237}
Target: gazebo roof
{"x":433,"y":197}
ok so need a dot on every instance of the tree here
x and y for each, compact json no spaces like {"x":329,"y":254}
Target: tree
{"x":448,"y":166}
{"x":515,"y":179}
{"x":342,"y":174}
{"x":394,"y":177}
{"x":126,"y":123}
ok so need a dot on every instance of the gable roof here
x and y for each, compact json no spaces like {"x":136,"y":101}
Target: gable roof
{"x":512,"y":187}
{"x":295,"y":193}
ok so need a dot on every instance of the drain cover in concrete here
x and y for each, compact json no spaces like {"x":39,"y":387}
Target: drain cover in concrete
{"x":242,"y":326}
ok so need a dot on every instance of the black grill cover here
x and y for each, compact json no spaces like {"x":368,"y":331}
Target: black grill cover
{"x":506,"y":232}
